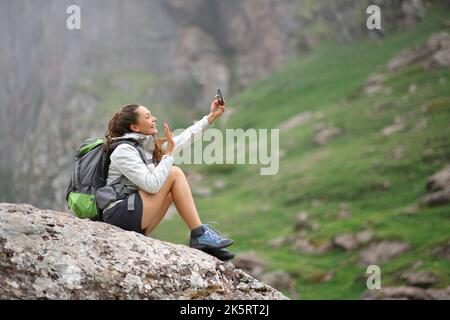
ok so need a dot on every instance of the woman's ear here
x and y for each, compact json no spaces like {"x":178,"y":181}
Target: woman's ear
{"x":134,"y":128}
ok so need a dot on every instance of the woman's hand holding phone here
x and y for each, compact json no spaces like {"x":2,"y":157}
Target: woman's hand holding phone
{"x":217,"y":107}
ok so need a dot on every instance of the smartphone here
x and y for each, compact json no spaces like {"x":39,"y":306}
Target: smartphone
{"x":219,"y":96}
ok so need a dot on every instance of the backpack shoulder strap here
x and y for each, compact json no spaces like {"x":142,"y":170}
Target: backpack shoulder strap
{"x":112,"y":147}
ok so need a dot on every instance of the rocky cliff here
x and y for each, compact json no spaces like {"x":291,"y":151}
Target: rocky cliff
{"x":47,"y":254}
{"x":52,"y":97}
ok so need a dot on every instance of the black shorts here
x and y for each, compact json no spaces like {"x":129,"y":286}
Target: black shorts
{"x":120,"y":216}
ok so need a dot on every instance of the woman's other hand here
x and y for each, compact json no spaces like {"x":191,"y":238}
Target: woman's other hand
{"x":170,"y":143}
{"x":216,"y":110}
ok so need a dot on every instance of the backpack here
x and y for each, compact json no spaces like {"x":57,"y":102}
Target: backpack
{"x":87,"y":194}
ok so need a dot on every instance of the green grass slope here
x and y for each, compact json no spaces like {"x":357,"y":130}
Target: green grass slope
{"x":356,"y":168}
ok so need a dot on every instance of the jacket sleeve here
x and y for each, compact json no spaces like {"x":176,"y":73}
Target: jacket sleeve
{"x":185,"y":137}
{"x":128,"y":161}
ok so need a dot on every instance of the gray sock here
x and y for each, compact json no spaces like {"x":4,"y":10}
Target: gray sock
{"x":197,"y":232}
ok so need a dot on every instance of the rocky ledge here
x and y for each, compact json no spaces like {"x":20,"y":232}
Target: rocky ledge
{"x":46,"y":254}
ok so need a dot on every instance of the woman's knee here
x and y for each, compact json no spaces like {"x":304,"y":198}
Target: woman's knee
{"x":176,"y":171}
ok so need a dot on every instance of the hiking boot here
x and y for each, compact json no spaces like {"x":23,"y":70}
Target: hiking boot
{"x":205,"y":237}
{"x":221,"y":254}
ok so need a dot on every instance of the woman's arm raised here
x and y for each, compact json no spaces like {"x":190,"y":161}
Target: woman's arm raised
{"x":184,"y":138}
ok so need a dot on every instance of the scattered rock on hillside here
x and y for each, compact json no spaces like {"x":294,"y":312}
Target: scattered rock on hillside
{"x":296,"y":121}
{"x":250,"y":263}
{"x":440,"y":180}
{"x":410,"y":56}
{"x":397,"y":153}
{"x":380,"y":252}
{"x":351,"y":241}
{"x":280,"y":280}
{"x":344,"y":212}
{"x":398,"y":126}
{"x":46,"y":254}
{"x":420,"y":125}
{"x":423,"y":279}
{"x":441,"y":58}
{"x":302,"y":245}
{"x":412,"y":209}
{"x":278,"y":242}
{"x":437,"y":198}
{"x":434,"y":54}
{"x":325,"y":135}
{"x":373,"y":84}
{"x":442,"y":251}
{"x":412,"y":88}
{"x":407,"y":293}
{"x":302,"y":222}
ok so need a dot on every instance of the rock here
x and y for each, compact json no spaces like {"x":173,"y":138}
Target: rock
{"x":249,"y":262}
{"x":202,"y":191}
{"x":351,"y":241}
{"x":435,"y":54}
{"x":424,"y":279}
{"x":441,"y":57}
{"x":344,"y":212}
{"x":439,"y":60}
{"x":439,"y":40}
{"x":440,"y":180}
{"x":301,"y":222}
{"x":409,"y":293}
{"x":378,"y":253}
{"x":383,"y":186}
{"x":442,"y":251}
{"x":302,"y":245}
{"x":412,"y":88}
{"x":325,"y":135}
{"x":364,"y":237}
{"x":53,"y":255}
{"x":420,"y":125}
{"x":322,"y":277}
{"x":373,"y":84}
{"x":394,"y":128}
{"x":296,"y":121}
{"x":279,"y":279}
{"x":417,"y":264}
{"x":278,"y":242}
{"x":410,"y":56}
{"x":347,"y":241}
{"x":437,"y":198}
{"x":219,"y":184}
{"x":412,"y":209}
{"x":440,"y":294}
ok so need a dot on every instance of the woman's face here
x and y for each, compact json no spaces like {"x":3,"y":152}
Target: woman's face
{"x":146,"y":123}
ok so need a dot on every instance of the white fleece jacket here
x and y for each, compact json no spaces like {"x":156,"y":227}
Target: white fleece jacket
{"x":126,"y":161}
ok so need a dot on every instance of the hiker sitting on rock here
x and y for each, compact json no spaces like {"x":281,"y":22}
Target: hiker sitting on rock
{"x":158,"y":183}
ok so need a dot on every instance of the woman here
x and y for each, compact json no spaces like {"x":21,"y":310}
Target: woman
{"x":158,"y":183}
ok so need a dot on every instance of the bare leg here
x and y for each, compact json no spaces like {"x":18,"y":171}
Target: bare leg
{"x":160,"y":215}
{"x":153,"y":204}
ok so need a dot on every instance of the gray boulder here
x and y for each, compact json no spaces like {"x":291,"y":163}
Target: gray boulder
{"x":407,"y":293}
{"x":440,"y":180}
{"x":53,"y":255}
{"x":380,"y":252}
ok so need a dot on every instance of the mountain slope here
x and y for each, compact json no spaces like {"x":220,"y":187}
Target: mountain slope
{"x":358,"y":163}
